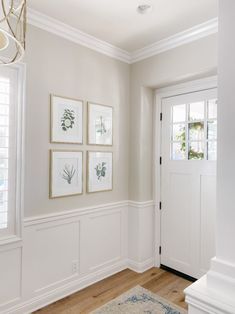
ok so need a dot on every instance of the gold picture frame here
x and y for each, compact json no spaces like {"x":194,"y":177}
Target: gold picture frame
{"x":88,"y":189}
{"x":52,"y":189}
{"x":91,"y":126}
{"x":55,"y":138}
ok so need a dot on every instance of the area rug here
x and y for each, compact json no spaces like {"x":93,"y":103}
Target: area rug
{"x":137,"y":301}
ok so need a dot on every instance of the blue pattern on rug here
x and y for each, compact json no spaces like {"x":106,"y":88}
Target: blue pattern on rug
{"x":146,"y":298}
{"x":139,"y":301}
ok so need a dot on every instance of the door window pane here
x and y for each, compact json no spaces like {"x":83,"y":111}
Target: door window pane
{"x":212,"y":130}
{"x":212,"y":150}
{"x":179,"y":113}
{"x":196,"y":131}
{"x":178,"y":151}
{"x":212,"y":109}
{"x":196,"y":111}
{"x":196,"y":151}
{"x":178,"y":132}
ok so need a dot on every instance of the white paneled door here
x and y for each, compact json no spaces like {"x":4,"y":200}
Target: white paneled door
{"x":188,"y":181}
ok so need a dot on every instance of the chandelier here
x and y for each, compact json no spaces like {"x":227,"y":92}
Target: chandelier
{"x":12,"y":30}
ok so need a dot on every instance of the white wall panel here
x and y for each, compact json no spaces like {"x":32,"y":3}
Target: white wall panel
{"x":10,"y":276}
{"x":56,"y":253}
{"x":65,"y":252}
{"x":105,"y":239}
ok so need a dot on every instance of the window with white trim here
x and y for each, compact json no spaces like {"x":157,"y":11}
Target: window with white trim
{"x":10,"y":151}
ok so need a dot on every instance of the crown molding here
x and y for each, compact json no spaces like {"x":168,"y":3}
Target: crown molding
{"x":58,"y":28}
{"x":192,"y":34}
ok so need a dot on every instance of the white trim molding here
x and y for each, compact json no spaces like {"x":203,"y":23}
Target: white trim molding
{"x":88,"y":245}
{"x":68,"y":32}
{"x":49,"y":297}
{"x":20,"y":81}
{"x":140,"y":267}
{"x":202,"y":299}
{"x":35,"y":220}
{"x":192,"y":34}
{"x":58,"y":28}
{"x":141,"y":204}
{"x":215,"y":292}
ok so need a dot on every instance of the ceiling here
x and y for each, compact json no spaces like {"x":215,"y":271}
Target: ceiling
{"x":118,"y":23}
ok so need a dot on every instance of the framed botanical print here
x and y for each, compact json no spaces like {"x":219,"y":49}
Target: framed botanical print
{"x":66,"y":173}
{"x":100,"y":124}
{"x":66,"y":120}
{"x":100,"y":171}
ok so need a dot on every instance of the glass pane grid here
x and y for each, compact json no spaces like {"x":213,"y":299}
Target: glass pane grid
{"x":195,"y":137}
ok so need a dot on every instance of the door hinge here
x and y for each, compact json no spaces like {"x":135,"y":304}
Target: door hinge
{"x":160,"y":205}
{"x":160,"y":250}
{"x":161,"y":116}
{"x":160,"y":160}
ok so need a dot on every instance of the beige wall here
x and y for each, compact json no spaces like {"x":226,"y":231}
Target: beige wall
{"x":55,"y":65}
{"x":194,"y":60}
{"x":58,"y":66}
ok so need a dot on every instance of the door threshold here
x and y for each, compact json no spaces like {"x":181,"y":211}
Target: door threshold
{"x":178,"y":273}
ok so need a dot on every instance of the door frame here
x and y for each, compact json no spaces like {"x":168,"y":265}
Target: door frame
{"x":159,"y":95}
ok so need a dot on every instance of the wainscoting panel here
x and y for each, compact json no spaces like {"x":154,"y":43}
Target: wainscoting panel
{"x":10,"y":277}
{"x":105,"y":241}
{"x":65,"y":252}
{"x":56,"y":257}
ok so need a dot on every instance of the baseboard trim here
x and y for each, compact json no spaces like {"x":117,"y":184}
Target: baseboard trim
{"x":76,"y":285}
{"x":66,"y":290}
{"x":41,"y":301}
{"x":140,"y":267}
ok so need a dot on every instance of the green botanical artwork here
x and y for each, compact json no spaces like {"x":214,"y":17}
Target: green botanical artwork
{"x":100,"y":170}
{"x":100,"y":126}
{"x":68,"y":173}
{"x":67,"y":120}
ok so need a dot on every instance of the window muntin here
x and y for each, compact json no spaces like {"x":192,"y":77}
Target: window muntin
{"x":194,"y":131}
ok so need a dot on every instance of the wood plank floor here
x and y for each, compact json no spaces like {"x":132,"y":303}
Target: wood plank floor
{"x":161,"y":282}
